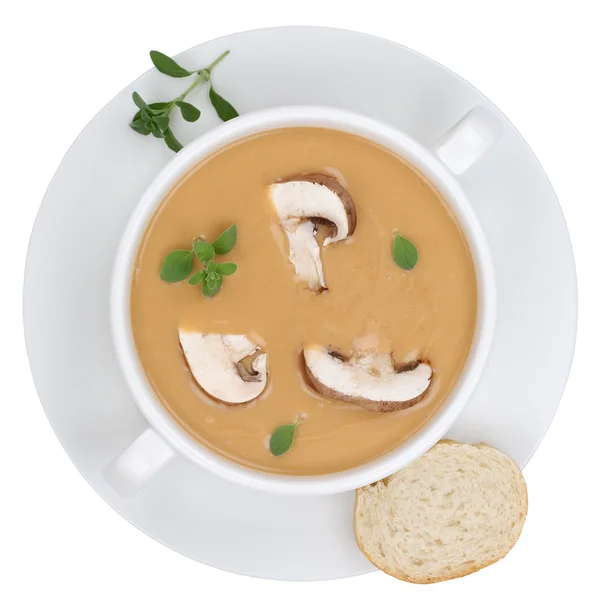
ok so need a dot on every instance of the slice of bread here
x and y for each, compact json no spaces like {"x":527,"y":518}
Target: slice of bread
{"x":455,"y":510}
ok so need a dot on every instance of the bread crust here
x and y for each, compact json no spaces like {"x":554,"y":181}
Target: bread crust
{"x":453,"y":575}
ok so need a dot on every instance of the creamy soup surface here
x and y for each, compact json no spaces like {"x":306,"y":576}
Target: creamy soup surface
{"x":427,"y":313}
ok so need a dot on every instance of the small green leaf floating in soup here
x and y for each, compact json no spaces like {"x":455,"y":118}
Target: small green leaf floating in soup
{"x":211,"y":285}
{"x":203,"y":250}
{"x":283,"y":438}
{"x":177,"y":266}
{"x":404,"y":253}
{"x":226,"y":241}
{"x":226,"y":269}
{"x":212,"y":279}
{"x":197,"y":277}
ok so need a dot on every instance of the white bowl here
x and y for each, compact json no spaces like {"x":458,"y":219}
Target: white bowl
{"x":455,"y":152}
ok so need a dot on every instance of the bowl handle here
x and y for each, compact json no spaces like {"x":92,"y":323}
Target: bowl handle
{"x":138,"y":463}
{"x":468,"y":140}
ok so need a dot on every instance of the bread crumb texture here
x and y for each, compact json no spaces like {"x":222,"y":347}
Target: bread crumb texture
{"x":455,"y":510}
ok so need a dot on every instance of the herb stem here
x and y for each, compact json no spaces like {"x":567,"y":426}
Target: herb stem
{"x":196,"y":83}
{"x":201,"y":78}
{"x":154,"y":118}
{"x":216,"y":61}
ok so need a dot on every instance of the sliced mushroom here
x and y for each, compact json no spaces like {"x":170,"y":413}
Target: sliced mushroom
{"x":217,"y":363}
{"x":301,"y":203}
{"x":305,"y":252}
{"x":367,"y":378}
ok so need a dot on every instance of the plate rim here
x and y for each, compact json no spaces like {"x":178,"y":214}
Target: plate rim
{"x":71,"y":149}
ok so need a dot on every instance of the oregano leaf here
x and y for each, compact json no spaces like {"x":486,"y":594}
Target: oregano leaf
{"x":188,"y":111}
{"x":226,"y":241}
{"x":282,"y":438}
{"x":172,"y":142}
{"x":404,"y":253}
{"x":223,"y":108}
{"x":226,"y":269}
{"x":139,"y":126}
{"x":139,"y":101}
{"x":177,"y":266}
{"x":197,"y":277}
{"x":165,"y":64}
{"x":203,"y":250}
{"x":211,"y":291}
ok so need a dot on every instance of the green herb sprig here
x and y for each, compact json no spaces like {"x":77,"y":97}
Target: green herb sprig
{"x":179,"y":264}
{"x":283,"y":438}
{"x":404,"y":253}
{"x":154,"y":118}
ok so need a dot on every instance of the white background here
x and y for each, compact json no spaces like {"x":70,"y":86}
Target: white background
{"x":61,"y":61}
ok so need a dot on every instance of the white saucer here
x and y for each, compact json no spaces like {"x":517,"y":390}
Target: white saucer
{"x":103,"y":176}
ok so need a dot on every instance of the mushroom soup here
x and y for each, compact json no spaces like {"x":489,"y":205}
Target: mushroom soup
{"x":326,"y":323}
